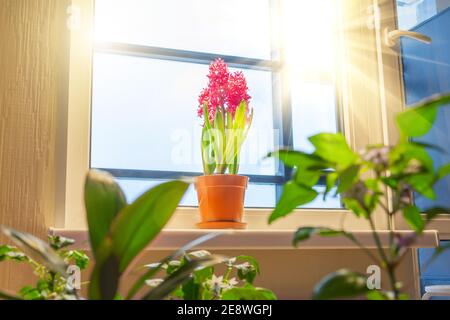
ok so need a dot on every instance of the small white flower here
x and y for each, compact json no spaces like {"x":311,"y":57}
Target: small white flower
{"x":200,"y":254}
{"x":174,"y":263}
{"x":230,"y":284}
{"x":216,"y":284}
{"x":156,"y":265}
{"x":154,"y":282}
{"x":244,"y":266}
{"x":230,"y":262}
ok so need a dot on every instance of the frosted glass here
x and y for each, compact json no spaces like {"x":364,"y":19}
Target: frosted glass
{"x":226,"y":27}
{"x":144,"y":116}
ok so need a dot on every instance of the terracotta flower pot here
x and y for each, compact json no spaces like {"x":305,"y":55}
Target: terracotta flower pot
{"x":221,"y":201}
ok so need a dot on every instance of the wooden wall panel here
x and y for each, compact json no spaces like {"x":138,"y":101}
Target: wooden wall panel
{"x":33,"y":55}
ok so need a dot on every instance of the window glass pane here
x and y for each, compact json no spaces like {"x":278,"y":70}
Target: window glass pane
{"x":413,"y":12}
{"x":313,"y":111}
{"x":144,"y":116}
{"x":257,"y":195}
{"x":426,"y":71}
{"x":224,"y":27}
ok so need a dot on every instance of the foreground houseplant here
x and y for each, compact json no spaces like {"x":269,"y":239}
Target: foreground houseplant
{"x":227,"y":117}
{"x":235,"y":284}
{"x":118,"y":232}
{"x":377,"y":178}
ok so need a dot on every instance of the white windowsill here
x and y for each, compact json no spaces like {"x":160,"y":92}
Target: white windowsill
{"x":172,"y":239}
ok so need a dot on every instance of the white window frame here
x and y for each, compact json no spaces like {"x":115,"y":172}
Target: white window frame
{"x":363,"y":115}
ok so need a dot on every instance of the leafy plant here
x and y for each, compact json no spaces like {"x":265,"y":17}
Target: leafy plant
{"x":118,"y":233}
{"x":224,"y":107}
{"x":378,"y":178}
{"x":204,"y":284}
{"x":49,"y":263}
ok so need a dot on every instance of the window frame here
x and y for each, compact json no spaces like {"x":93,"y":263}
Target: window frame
{"x":360,"y":119}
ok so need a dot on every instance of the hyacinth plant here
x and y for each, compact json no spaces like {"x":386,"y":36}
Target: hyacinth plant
{"x":227,"y":118}
{"x":379,"y":178}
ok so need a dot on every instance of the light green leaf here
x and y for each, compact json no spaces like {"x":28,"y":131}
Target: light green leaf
{"x":413,"y":218}
{"x":418,"y":120}
{"x":104,"y":199}
{"x":444,"y":171}
{"x":248,"y":292}
{"x":333,"y":148}
{"x":140,"y":222}
{"x":292,"y":197}
{"x":347,"y":178}
{"x":341,"y":284}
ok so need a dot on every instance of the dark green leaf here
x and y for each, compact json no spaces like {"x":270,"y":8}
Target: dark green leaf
{"x":341,"y":284}
{"x":37,"y":250}
{"x":104,"y":199}
{"x":418,"y":120}
{"x":431,"y":213}
{"x":414,"y":218}
{"x":7,"y":296}
{"x":140,"y":222}
{"x":105,"y":276}
{"x":292,"y":197}
{"x":377,"y":295}
{"x":333,"y":148}
{"x":30,"y":293}
{"x":248,"y":293}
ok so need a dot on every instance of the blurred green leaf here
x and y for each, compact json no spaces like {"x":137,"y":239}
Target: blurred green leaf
{"x":140,"y":222}
{"x":141,"y":281}
{"x":104,"y":199}
{"x":355,"y":206}
{"x":249,"y":272}
{"x":414,"y":218}
{"x":334,"y":148}
{"x":298,"y":159}
{"x":208,"y":156}
{"x":58,"y":242}
{"x":30,"y":293}
{"x":7,"y":296}
{"x":80,"y":258}
{"x":444,"y":171}
{"x":105,"y":276}
{"x":304,"y":233}
{"x":341,"y":284}
{"x":348,"y":177}
{"x":182,"y":275}
{"x":418,"y":120}
{"x":12,"y":253}
{"x":431,"y":213}
{"x":292,"y":197}
{"x":37,"y":250}
{"x":248,"y":292}
{"x":377,"y":295}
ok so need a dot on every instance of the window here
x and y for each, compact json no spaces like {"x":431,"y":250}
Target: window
{"x":427,"y":72}
{"x":149,"y":65}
